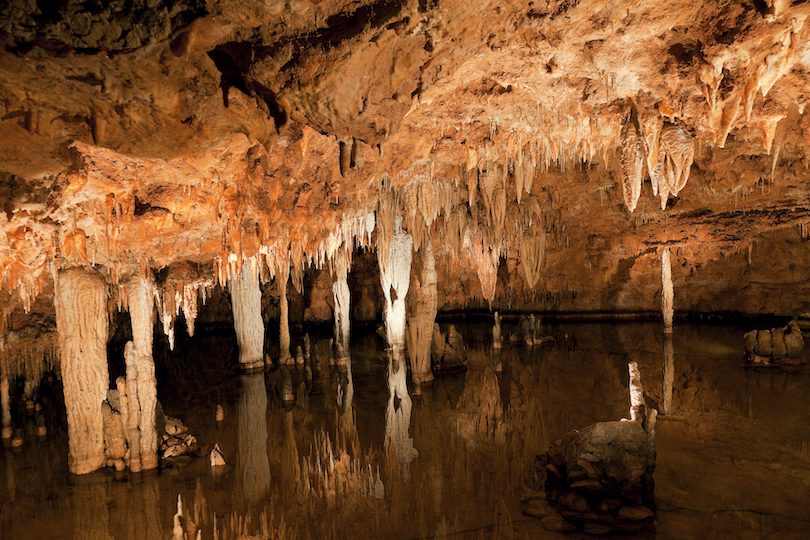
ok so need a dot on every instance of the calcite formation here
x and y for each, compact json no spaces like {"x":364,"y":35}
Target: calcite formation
{"x":188,"y":140}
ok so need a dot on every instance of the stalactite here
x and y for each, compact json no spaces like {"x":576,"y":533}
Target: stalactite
{"x":395,"y":277}
{"x":246,"y":304}
{"x":532,"y":253}
{"x":423,"y":305}
{"x":81,"y":320}
{"x":668,"y":293}
{"x":679,"y":149}
{"x":632,"y":162}
{"x":141,"y":294}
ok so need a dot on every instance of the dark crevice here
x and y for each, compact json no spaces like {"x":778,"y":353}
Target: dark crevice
{"x":142,"y":208}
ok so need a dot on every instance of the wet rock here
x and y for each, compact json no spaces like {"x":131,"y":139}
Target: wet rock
{"x":750,"y":341}
{"x":794,"y":342}
{"x":778,"y":349}
{"x":764,"y":346}
{"x":600,"y":479}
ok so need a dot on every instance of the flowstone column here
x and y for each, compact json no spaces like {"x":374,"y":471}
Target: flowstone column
{"x":246,"y":303}
{"x":141,"y":387}
{"x":424,"y":305}
{"x":396,"y":279}
{"x":282,"y":277}
{"x":81,"y":321}
{"x":342,"y":295}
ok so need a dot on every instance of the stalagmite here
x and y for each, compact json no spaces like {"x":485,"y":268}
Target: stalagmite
{"x":253,"y":464}
{"x":497,"y":340}
{"x":637,"y":402}
{"x":342,"y":295}
{"x":423,"y":308}
{"x":282,"y":276}
{"x":667,"y":291}
{"x":141,"y":382}
{"x":246,"y":303}
{"x":669,"y":373}
{"x":81,"y":320}
{"x":395,"y":278}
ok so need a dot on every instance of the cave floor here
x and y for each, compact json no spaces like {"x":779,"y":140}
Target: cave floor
{"x":733,"y":454}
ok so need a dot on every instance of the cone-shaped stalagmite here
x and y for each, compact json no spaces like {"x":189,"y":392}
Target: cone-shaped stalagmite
{"x":141,"y":382}
{"x":81,"y":320}
{"x":246,"y":303}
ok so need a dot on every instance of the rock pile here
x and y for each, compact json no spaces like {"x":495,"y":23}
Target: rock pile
{"x":600,"y":479}
{"x":177,"y":441}
{"x":782,"y":346}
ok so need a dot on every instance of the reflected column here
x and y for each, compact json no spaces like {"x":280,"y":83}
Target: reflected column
{"x":254,"y":467}
{"x":398,"y":418}
{"x":669,"y":373}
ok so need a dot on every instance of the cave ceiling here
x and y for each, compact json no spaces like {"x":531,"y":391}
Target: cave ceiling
{"x":147,"y":134}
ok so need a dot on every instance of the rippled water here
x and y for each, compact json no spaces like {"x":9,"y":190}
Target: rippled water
{"x":457,"y":460}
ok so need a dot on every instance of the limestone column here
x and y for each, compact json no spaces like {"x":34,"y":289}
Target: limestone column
{"x":141,"y":381}
{"x":424,"y":305}
{"x":253,"y":463}
{"x":282,"y":277}
{"x":246,"y":303}
{"x":5,"y":399}
{"x":342,"y":295}
{"x":396,"y":279}
{"x":668,"y":292}
{"x":81,"y":321}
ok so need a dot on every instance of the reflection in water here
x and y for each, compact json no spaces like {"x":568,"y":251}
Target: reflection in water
{"x":398,"y":413}
{"x":669,"y":373}
{"x":254,"y":468}
{"x":340,"y":455}
{"x":91,"y":518}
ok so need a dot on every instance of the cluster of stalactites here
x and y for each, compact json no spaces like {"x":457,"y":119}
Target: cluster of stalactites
{"x":182,"y":289}
{"x":663,"y":149}
{"x":29,"y":353}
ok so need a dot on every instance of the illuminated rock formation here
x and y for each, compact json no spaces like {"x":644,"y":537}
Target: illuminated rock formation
{"x":422,"y":307}
{"x":395,"y":276}
{"x":81,"y":319}
{"x":342,"y":297}
{"x":246,"y":302}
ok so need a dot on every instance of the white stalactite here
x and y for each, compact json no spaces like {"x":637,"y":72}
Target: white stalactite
{"x":668,"y":292}
{"x":141,"y":299}
{"x":396,"y":278}
{"x":81,"y":320}
{"x":340,"y":290}
{"x":246,"y":303}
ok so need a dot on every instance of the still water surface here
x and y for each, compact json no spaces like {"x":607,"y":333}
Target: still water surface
{"x":360,"y":456}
